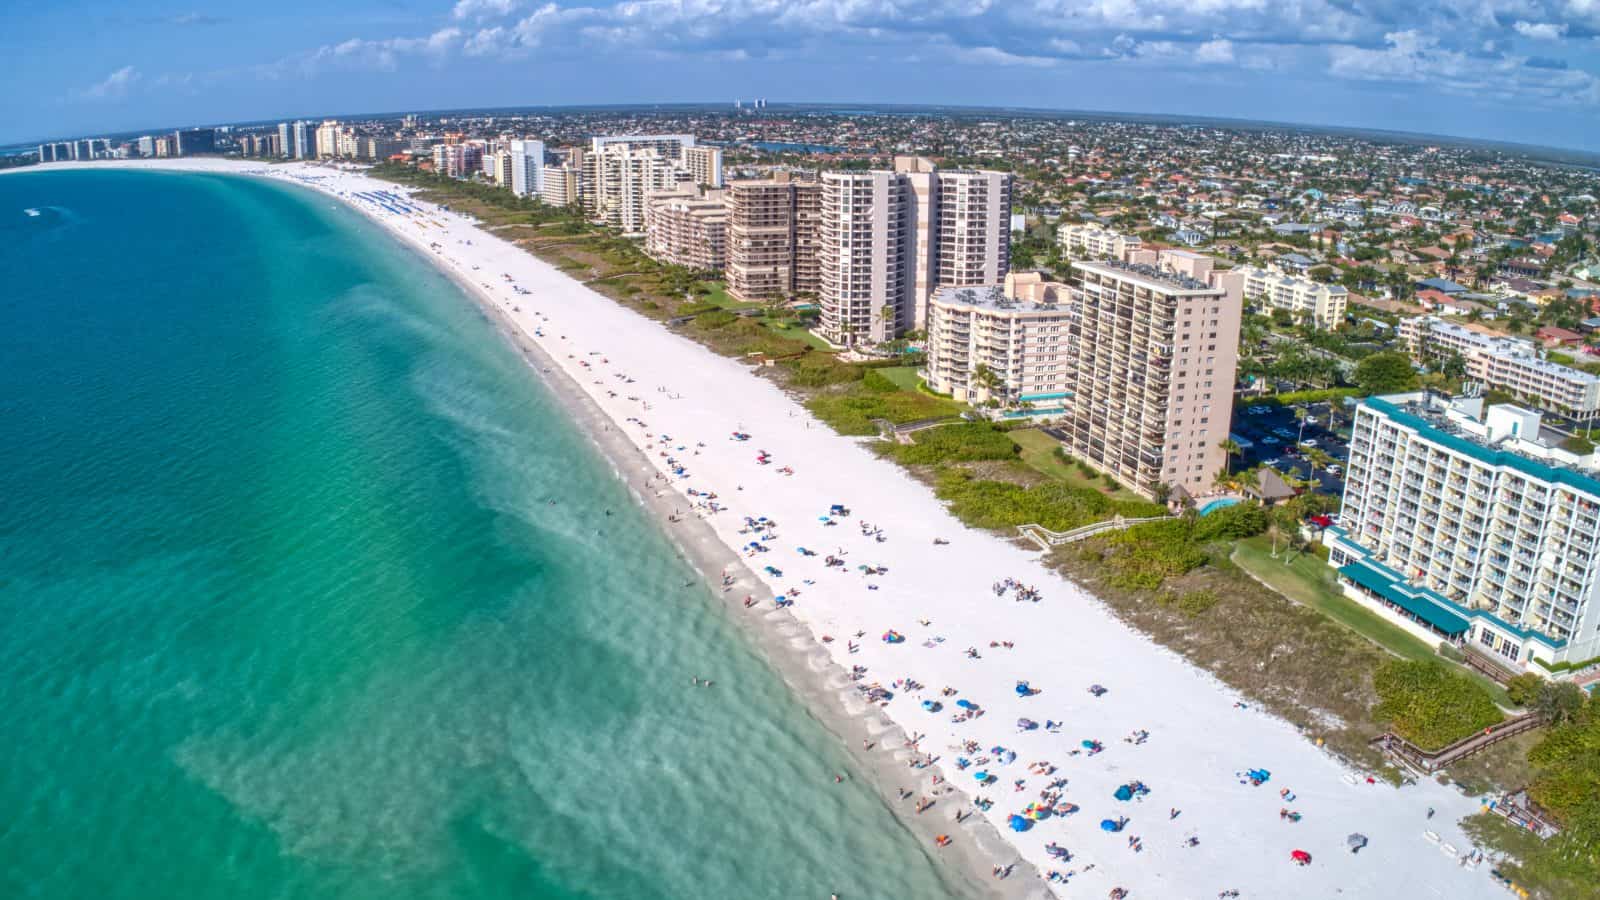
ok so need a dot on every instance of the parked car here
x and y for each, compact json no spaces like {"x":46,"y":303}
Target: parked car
{"x":1269,"y":439}
{"x":1309,"y":442}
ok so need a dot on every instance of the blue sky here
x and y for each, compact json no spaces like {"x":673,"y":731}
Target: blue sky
{"x":1519,"y":70}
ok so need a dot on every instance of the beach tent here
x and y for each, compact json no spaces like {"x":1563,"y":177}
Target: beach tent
{"x":1111,"y":825}
{"x":1356,"y":842}
{"x":1123,"y":793}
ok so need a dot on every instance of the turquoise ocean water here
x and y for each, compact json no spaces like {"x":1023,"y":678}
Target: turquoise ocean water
{"x":287,"y":611}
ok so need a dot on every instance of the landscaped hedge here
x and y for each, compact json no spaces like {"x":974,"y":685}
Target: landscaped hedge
{"x":1429,"y":705}
{"x":1295,"y":398}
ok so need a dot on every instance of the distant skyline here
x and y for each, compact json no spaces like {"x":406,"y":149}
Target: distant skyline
{"x":1521,"y":71}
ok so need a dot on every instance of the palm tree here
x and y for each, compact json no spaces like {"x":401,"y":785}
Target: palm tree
{"x":985,"y":378}
{"x":1301,"y":415}
{"x":1230,"y":449}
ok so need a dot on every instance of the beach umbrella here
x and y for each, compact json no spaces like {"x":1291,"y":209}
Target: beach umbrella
{"x":1088,"y":745}
{"x":1022,"y":689}
{"x":1111,"y":825}
{"x":1301,"y":857}
{"x":1019,"y":823}
{"x":966,"y":704}
{"x":980,"y":776}
{"x":1124,"y":793}
{"x":1356,"y":842}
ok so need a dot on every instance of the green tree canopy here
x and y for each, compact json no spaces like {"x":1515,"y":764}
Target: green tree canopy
{"x":1385,"y":373}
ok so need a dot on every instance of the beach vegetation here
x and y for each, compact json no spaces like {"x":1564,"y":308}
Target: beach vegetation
{"x":1430,"y":705}
{"x":954,"y":443}
{"x":989,"y":503}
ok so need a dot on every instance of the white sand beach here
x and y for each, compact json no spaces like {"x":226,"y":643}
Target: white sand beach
{"x":681,"y":405}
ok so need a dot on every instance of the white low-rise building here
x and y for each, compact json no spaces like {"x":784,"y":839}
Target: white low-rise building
{"x":1322,"y":304}
{"x":1472,"y":527}
{"x":1507,"y":364}
{"x":1087,"y":241}
{"x":1004,"y":342}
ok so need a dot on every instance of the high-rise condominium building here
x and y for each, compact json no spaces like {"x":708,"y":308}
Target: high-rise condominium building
{"x":866,"y":255}
{"x":194,"y":140}
{"x":1472,"y":526}
{"x":1007,"y":343}
{"x":561,"y":186}
{"x":286,"y":138}
{"x":704,"y":165}
{"x":890,"y":238}
{"x":458,"y":160}
{"x":83,"y":149}
{"x":1087,"y":241}
{"x":687,"y":227}
{"x":305,"y":140}
{"x":1507,"y":364}
{"x":623,"y":177}
{"x":1323,"y":305}
{"x":527,"y":168}
{"x":773,"y":232}
{"x":381,"y":148}
{"x":327,"y":138}
{"x":668,"y":146}
{"x":1153,"y":353}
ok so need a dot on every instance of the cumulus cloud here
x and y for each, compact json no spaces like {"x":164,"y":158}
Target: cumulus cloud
{"x":1541,"y":31}
{"x":113,"y":86}
{"x":482,"y":9}
{"x":1218,"y":51}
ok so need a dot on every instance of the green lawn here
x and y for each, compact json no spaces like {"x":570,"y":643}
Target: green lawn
{"x":719,"y":297}
{"x":1309,"y":580}
{"x":904,"y":377}
{"x":1038,"y":451}
{"x":799,"y":333}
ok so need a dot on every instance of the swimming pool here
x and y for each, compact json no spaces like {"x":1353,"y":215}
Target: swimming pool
{"x":1219,"y":503}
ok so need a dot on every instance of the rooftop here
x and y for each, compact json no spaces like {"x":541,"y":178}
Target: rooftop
{"x":1162,"y":278}
{"x":989,"y":297}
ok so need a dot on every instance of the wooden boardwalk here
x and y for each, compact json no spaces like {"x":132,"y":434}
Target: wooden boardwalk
{"x":1425,"y":762}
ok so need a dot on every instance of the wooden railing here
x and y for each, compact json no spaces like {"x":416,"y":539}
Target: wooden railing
{"x":1429,"y":761}
{"x":1046,"y":538}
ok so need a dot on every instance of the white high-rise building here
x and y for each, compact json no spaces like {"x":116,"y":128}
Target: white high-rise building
{"x":669,"y":146}
{"x":866,"y":254}
{"x":1472,"y":526}
{"x":1018,"y":332}
{"x":527,"y":168}
{"x":890,"y":238}
{"x":285,"y":139}
{"x":305,"y":140}
{"x":623,"y":178}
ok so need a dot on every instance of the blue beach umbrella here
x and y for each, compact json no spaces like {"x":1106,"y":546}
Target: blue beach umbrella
{"x":1111,"y":825}
{"x":966,"y":704}
{"x":1019,"y":823}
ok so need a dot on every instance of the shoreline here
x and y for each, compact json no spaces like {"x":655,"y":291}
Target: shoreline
{"x":820,"y":685}
{"x":1202,"y":733}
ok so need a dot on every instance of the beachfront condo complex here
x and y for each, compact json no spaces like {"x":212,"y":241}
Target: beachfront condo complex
{"x":890,"y":238}
{"x":1506,"y":364}
{"x":1005,"y":344}
{"x":1153,"y":353}
{"x":687,"y":227}
{"x":526,"y":161}
{"x":1134,"y":362}
{"x":1472,"y":526}
{"x":620,"y":177}
{"x":774,"y":226}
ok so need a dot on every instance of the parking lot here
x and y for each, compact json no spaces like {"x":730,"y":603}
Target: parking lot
{"x":1273,"y":433}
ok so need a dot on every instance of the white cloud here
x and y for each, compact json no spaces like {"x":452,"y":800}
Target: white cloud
{"x":482,"y":9}
{"x":997,"y":57}
{"x":1218,"y":51}
{"x":1542,"y":31}
{"x":113,"y":86}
